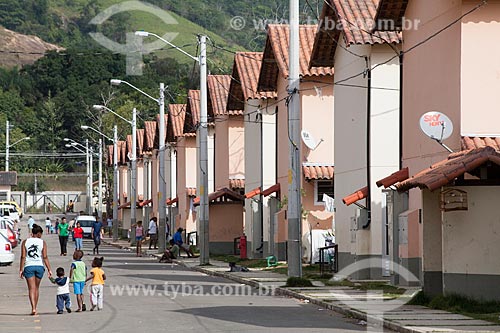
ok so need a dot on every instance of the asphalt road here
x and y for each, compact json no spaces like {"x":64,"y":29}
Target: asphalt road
{"x":141,"y":293}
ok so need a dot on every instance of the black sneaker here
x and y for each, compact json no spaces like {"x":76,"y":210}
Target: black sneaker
{"x":69,"y":310}
{"x":60,"y":312}
{"x":84,"y":307}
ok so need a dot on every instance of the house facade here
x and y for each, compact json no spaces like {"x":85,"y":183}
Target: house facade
{"x":367,"y":113}
{"x":316,"y":103}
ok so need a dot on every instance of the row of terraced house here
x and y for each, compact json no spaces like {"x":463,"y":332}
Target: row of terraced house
{"x":400,"y":197}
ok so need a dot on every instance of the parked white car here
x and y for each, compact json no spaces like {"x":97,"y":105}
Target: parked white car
{"x":6,"y":255}
{"x":8,"y":232}
{"x":10,"y":211}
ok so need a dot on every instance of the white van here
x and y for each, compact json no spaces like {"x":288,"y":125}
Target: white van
{"x":86,"y":222}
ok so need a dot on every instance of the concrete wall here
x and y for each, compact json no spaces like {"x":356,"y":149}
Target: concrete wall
{"x":226,"y":223}
{"x":186,"y":177}
{"x":236,"y":147}
{"x":221,"y":151}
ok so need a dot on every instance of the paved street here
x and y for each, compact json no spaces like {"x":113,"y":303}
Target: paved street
{"x":159,"y":297}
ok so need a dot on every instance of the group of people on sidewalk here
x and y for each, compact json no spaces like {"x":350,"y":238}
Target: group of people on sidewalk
{"x":65,"y":228}
{"x":34,"y":261}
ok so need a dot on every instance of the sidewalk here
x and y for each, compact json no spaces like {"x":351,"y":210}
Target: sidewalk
{"x":363,"y":305}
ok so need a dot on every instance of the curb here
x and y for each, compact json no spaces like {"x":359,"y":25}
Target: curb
{"x":349,"y":312}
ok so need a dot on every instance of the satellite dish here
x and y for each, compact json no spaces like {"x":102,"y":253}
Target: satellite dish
{"x":129,"y":155}
{"x":436,"y":125}
{"x":309,"y":140}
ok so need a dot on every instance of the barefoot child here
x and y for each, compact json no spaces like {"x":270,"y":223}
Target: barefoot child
{"x":139,"y":234}
{"x":97,"y":286}
{"x":77,"y":275}
{"x":62,"y":299}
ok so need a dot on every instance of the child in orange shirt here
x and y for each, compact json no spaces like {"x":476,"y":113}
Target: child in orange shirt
{"x":97,"y":286}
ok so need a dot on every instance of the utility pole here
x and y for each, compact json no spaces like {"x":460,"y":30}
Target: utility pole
{"x":133,"y":178}
{"x":203,"y":134}
{"x":91,"y":175}
{"x":88,"y":174}
{"x":294,"y":199}
{"x":99,"y":193}
{"x":7,"y":145}
{"x":163,"y":184}
{"x":115,"y":184}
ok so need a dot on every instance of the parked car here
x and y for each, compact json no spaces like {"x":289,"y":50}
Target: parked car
{"x":9,"y":210}
{"x":7,"y":231}
{"x":86,"y":222}
{"x":6,"y":255}
{"x":13,"y":224}
{"x":15,"y":204}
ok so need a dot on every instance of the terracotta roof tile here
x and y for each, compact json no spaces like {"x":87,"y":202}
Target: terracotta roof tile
{"x":172,"y":201}
{"x":218,"y":89}
{"x":471,"y":142}
{"x":149,"y":133}
{"x":110,"y":155}
{"x":253,"y":193}
{"x":222,"y":193}
{"x":246,"y":70}
{"x":318,"y":172}
{"x":177,"y":114}
{"x":236,"y":184}
{"x":193,"y":106}
{"x":391,"y":11}
{"x":275,"y":188}
{"x":122,"y":152}
{"x":356,"y":196}
{"x":357,"y":21}
{"x":446,"y":171}
{"x":140,"y":141}
{"x":276,"y":55}
{"x":394,"y":178}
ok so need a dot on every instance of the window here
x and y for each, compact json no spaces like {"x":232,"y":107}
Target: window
{"x":322,"y":187}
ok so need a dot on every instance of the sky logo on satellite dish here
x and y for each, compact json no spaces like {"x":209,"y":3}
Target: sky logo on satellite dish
{"x":133,"y":48}
{"x":436,"y":125}
{"x":309,"y":140}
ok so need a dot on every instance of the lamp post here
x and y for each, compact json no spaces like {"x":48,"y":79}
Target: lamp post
{"x":162,"y":208}
{"x":202,"y":134}
{"x":89,"y":160}
{"x":8,"y":145}
{"x":133,"y":166}
{"x":84,"y":127}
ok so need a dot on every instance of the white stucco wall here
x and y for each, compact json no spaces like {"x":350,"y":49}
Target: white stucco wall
{"x":471,"y":239}
{"x":480,"y":70}
{"x":350,"y":141}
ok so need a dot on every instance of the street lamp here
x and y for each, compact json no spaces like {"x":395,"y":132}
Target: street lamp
{"x":115,"y":176}
{"x":163,"y":180}
{"x":8,"y":145}
{"x":89,"y":160}
{"x":133,"y":166}
{"x":202,"y":134}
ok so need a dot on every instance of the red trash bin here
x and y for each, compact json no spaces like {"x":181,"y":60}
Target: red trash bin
{"x":243,"y":247}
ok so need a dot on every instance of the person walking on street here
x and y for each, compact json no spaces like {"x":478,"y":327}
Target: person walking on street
{"x":63,"y":236}
{"x":97,"y":232}
{"x":33,"y":258}
{"x":152,"y":231}
{"x":62,"y":299}
{"x":97,"y":285}
{"x":48,"y":224}
{"x":78,"y":234}
{"x":78,"y":275}
{"x":57,"y":225}
{"x":31,"y":221}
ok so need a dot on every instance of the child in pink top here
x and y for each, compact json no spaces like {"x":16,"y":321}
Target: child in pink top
{"x":139,"y":235}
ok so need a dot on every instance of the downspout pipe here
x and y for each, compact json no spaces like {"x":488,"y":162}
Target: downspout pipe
{"x":401,"y":58}
{"x":368,"y":144}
